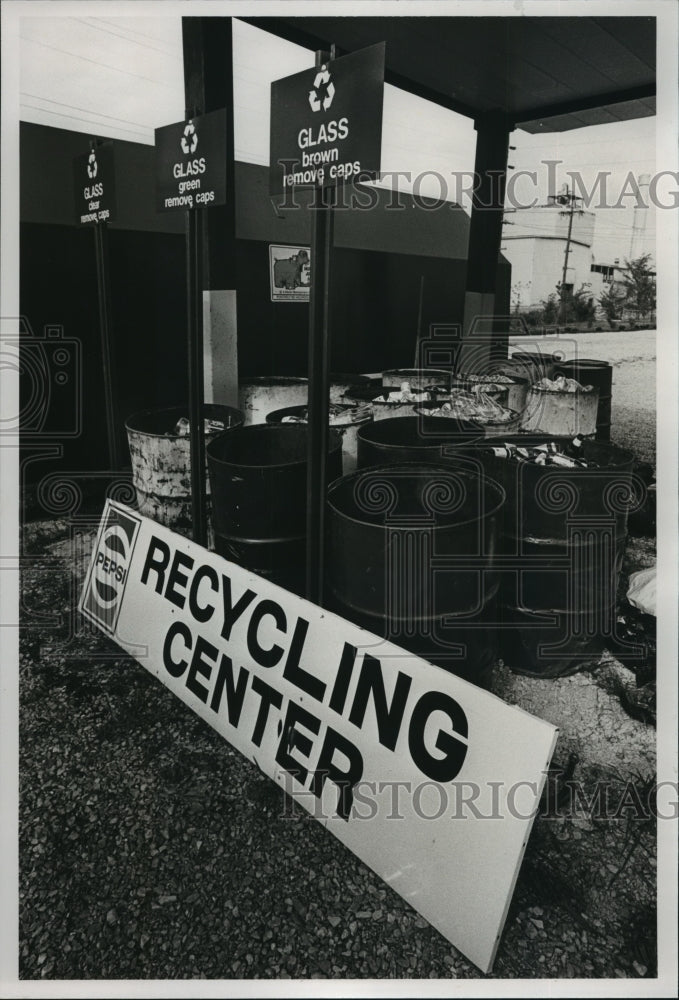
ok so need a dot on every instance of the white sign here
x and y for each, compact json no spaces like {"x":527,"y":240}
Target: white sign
{"x":429,"y":780}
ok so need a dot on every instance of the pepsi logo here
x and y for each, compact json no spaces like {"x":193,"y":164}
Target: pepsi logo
{"x":108,"y":572}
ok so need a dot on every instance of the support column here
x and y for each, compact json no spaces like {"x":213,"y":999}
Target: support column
{"x":484,"y":334}
{"x":208,"y":84}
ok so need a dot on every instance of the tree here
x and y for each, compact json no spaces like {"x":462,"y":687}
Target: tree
{"x":639,"y":284}
{"x":612,"y":304}
{"x":571,"y":307}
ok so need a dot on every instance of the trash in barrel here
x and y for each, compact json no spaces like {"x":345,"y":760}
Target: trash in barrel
{"x":417,"y":378}
{"x":562,"y":543}
{"x":410,"y":557}
{"x":259,"y":498}
{"x":160,"y":452}
{"x":478,"y":409}
{"x":344,"y":418}
{"x":560,"y":406}
{"x":388,"y":401}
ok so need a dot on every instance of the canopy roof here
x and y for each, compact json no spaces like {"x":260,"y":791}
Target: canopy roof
{"x":547,"y":74}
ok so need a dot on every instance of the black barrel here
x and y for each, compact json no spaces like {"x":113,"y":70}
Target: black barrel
{"x":413,"y":439}
{"x":259,"y":489}
{"x":410,"y":557}
{"x":561,"y":551}
{"x":346,"y":420}
{"x":589,"y":371}
{"x":341,"y":381}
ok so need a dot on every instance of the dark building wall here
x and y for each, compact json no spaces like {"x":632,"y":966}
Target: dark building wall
{"x":380,"y":258}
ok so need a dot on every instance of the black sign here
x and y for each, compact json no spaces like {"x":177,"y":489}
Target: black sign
{"x":95,"y":191}
{"x":326,"y":122}
{"x":191,"y":163}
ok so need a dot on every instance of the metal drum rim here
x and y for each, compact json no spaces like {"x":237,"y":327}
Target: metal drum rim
{"x":334,"y":441}
{"x":412,"y":466}
{"x":155,"y":411}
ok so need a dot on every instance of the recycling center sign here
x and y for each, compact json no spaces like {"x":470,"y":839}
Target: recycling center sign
{"x":94,"y":185}
{"x":191,"y":163}
{"x":326,"y":122}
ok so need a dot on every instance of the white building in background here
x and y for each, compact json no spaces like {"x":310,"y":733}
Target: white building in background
{"x":534,"y":241}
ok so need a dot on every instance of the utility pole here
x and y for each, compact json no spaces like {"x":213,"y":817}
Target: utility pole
{"x":567,"y":198}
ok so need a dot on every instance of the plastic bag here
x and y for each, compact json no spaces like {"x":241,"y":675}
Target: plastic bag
{"x":641,"y":592}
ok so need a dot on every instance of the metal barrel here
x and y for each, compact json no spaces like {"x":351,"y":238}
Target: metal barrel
{"x":418,"y":378}
{"x":347,"y":421}
{"x":589,"y":371}
{"x":561,"y":551}
{"x":259,"y":492}
{"x":413,"y":439}
{"x":535,"y":365}
{"x":377,"y":396}
{"x":517,"y":389}
{"x":161,"y":461}
{"x":259,"y":395}
{"x":410,"y":557}
{"x":557,"y":411}
{"x":341,"y":381}
{"x":499,"y":393}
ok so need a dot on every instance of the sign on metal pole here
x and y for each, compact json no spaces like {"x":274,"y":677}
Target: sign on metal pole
{"x":191,"y":163}
{"x":405,"y":763}
{"x":94,"y":185}
{"x":326,"y":122}
{"x":191,"y":174}
{"x":326,"y":131}
{"x":95,"y":205}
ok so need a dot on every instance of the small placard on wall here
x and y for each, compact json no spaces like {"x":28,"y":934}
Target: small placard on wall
{"x":290,"y":273}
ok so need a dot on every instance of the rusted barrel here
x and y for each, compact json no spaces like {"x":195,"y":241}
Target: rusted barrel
{"x":560,"y":412}
{"x":161,"y":460}
{"x":589,"y":371}
{"x":259,"y":395}
{"x":412,"y":439}
{"x":259,"y":492}
{"x":562,"y":545}
{"x":535,"y":365}
{"x":410,"y":557}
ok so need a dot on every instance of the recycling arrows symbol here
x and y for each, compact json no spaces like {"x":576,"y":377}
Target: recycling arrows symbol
{"x":315,"y":101}
{"x":92,"y":166}
{"x":189,"y":141}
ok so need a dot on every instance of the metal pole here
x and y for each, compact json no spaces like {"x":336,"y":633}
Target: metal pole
{"x":319,"y":391}
{"x":571,"y":198}
{"x":105,"y":325}
{"x":194,"y":285}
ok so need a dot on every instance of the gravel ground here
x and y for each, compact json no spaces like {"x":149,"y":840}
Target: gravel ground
{"x":149,"y":849}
